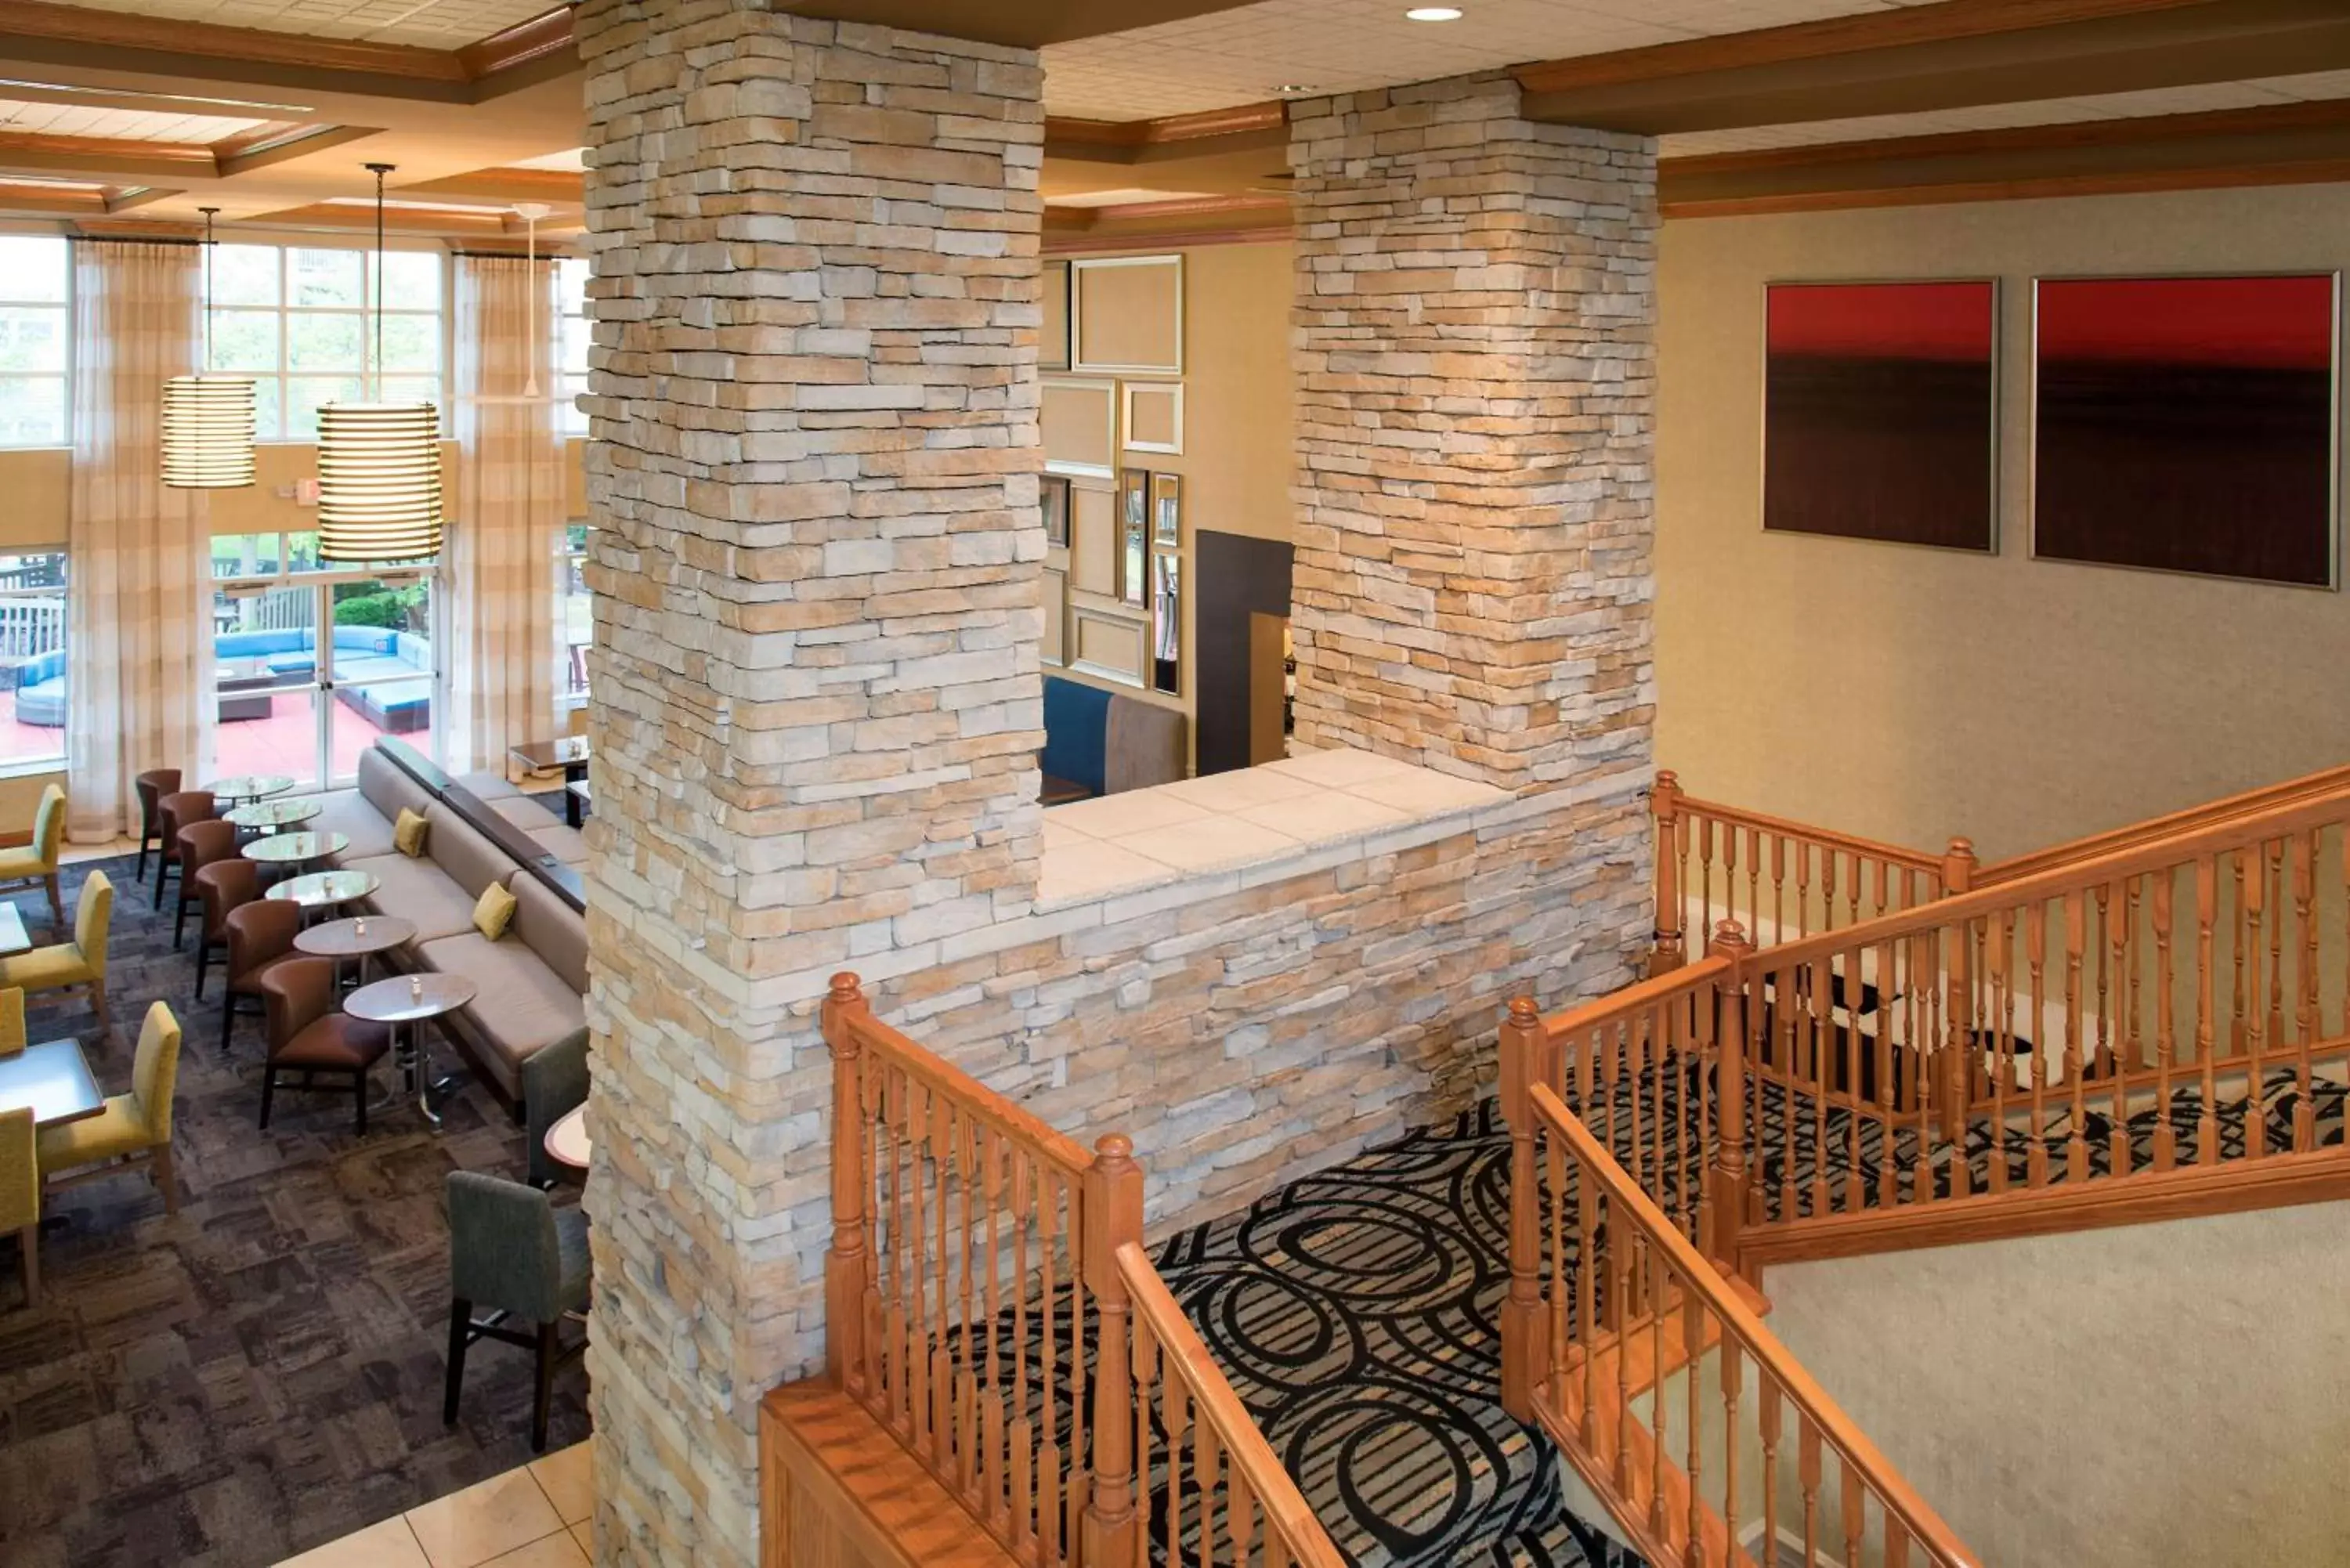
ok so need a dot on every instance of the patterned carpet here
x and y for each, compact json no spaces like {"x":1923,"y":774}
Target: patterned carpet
{"x":1355,"y":1313}
{"x":263,"y":1372}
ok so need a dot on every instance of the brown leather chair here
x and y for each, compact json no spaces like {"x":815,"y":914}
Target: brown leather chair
{"x":309,"y":1033}
{"x":260,"y":936}
{"x":153,"y":787}
{"x":173,"y":813}
{"x":223,"y":885}
{"x":198,"y":844}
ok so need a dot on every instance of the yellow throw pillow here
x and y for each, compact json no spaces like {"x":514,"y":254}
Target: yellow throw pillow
{"x":493,"y":911}
{"x":408,"y":834}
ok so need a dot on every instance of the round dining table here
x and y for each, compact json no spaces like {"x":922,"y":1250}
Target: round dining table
{"x":325,"y":890}
{"x":361,"y":937}
{"x":405,"y":1003}
{"x":566,"y":1141}
{"x":268,"y":815}
{"x":295,"y":849}
{"x":250,"y":786}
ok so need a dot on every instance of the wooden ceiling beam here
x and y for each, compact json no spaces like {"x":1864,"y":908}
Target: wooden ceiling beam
{"x":1957,"y":53}
{"x":1244,"y":127}
{"x":2299,"y":143}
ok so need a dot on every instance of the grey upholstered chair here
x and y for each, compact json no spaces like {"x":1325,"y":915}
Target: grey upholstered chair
{"x":513,"y":1251}
{"x":554,"y":1083}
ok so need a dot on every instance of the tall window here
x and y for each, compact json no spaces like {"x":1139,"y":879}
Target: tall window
{"x":575,"y":332}
{"x":35,"y":270}
{"x":575,"y":606}
{"x":32,"y":661}
{"x":300,"y":320}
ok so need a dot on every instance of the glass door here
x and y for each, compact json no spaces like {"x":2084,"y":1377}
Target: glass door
{"x":312,"y":665}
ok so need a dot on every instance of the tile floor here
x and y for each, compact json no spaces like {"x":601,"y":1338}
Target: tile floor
{"x":1253,"y":817}
{"x":534,"y":1517}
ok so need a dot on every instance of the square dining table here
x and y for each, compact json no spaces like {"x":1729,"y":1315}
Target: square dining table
{"x":55,"y":1079}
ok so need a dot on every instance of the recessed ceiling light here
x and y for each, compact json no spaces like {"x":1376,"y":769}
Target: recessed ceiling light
{"x":1433,"y":14}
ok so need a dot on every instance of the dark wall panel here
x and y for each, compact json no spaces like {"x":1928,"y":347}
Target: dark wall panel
{"x":1234,"y":577}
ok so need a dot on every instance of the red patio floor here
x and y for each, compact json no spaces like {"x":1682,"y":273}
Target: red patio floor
{"x":285,"y":743}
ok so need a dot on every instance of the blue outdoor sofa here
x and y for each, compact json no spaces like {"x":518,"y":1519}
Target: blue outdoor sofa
{"x":397,"y":707}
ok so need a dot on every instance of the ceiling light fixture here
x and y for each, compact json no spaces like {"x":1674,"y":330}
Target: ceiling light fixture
{"x":379,"y":462}
{"x":1293,"y":89}
{"x":208,"y":419}
{"x":1433,"y":14}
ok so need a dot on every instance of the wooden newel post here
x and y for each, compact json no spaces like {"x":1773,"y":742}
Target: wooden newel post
{"x":843,"y":1260}
{"x":1665,"y":803}
{"x":1112,"y":1199}
{"x":1954,"y":1078}
{"x":1525,"y":1327}
{"x":1728,"y":1179}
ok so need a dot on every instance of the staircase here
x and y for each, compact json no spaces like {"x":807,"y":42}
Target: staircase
{"x":2148,"y":1024}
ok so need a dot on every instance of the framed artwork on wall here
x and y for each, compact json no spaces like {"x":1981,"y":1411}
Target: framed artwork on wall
{"x":1167,"y":622}
{"x":1154,"y":417}
{"x":1166,"y":510}
{"x":1133,"y":535}
{"x":1880,"y":411}
{"x":2187,"y":424}
{"x":1078,"y":420}
{"x":1128,"y":313}
{"x":1055,"y":502}
{"x":1052,"y":338}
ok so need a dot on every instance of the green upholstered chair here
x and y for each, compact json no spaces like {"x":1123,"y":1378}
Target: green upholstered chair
{"x":514,"y":1252}
{"x":134,"y":1129}
{"x":20,"y":1194}
{"x":36,"y":862}
{"x":554,"y":1084}
{"x":80,"y":961}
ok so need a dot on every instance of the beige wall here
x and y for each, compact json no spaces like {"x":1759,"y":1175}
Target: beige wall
{"x":2166,"y":1393}
{"x":1911,"y":693}
{"x":1239,"y":415}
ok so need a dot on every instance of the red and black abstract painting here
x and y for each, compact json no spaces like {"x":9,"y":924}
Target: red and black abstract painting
{"x":2186,"y":424}
{"x":1878,"y":417}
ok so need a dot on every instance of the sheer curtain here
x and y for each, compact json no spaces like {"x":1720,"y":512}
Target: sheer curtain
{"x":504,"y":641}
{"x":139,"y":686}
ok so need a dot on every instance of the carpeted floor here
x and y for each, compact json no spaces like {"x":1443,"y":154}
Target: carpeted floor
{"x":262,"y":1373}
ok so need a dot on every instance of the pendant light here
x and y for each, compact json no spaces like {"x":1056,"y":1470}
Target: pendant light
{"x":208,"y":419}
{"x":379,"y":462}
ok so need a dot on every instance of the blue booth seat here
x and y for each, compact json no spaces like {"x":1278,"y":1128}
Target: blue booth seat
{"x":1100,"y":743}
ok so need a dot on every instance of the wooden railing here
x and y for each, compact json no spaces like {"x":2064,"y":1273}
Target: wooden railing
{"x":2129,"y":1014}
{"x":981,"y":1300}
{"x":2327,"y":781}
{"x":1778,"y":879}
{"x":1217,"y":1492}
{"x":1674,"y":1403}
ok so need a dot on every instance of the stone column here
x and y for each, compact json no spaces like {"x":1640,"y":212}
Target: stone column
{"x":816,"y":561}
{"x":1475,"y":340}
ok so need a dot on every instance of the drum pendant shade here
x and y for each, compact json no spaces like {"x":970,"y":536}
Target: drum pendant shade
{"x":379,"y":481}
{"x":208,"y":432}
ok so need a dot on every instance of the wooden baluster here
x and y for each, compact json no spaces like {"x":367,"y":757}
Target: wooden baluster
{"x":1620,"y":1316}
{"x":1855,"y":1501}
{"x":992,"y":1420}
{"x":1766,"y":1418}
{"x":1658,"y":1273}
{"x":1807,"y":1441}
{"x":1890,"y":999}
{"x":943,"y":1381}
{"x":844,"y":1260}
{"x":1024,"y":1431}
{"x":1778,"y":889}
{"x":1175,"y":1409}
{"x":1563,"y":1335}
{"x":1240,"y":1509}
{"x":1885,"y":888}
{"x":2165,"y":1042}
{"x":1080,"y":1483}
{"x":2272,"y":892}
{"x":1819,"y":1022}
{"x":1206,"y":1464}
{"x":874,"y":1130}
{"x":2035,"y":954}
{"x":1052,"y":1539}
{"x":1143,"y":1367}
{"x":2206,"y":909}
{"x":2121,"y":1062}
{"x":1733,"y":1386}
{"x":918,"y":1343}
{"x":1664,"y":804}
{"x":2239,"y":940}
{"x":1636,"y":1083}
{"x":2076,"y":1060}
{"x":1999,"y":947}
{"x":900,"y":1374}
{"x":1785,"y":1004}
{"x":2306,"y":1021}
{"x":1728,"y":1014}
{"x":2104,"y":1050}
{"x":1753,"y":879}
{"x":2249,"y":1004}
{"x":1802,"y":891}
{"x":1922,"y":1004}
{"x":1702,"y":828}
{"x":1729,"y":877}
{"x":1897,"y":1543}
{"x":1525,"y":1061}
{"x":1830,"y":863}
{"x":1958,"y":1076}
{"x":1692,"y":1376}
{"x":968,"y":1348}
{"x":1856,"y":1189}
{"x":1113,"y":1217}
